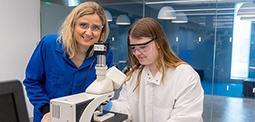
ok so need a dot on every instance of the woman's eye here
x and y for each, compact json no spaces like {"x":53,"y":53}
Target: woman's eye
{"x":132,"y":48}
{"x":84,"y":25}
{"x":95,"y":28}
{"x":142,"y":47}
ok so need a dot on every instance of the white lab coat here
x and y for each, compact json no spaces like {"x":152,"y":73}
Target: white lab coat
{"x":178,"y":99}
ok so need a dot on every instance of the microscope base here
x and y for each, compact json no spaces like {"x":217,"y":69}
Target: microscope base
{"x":98,"y":117}
{"x":118,"y":117}
{"x":76,"y":108}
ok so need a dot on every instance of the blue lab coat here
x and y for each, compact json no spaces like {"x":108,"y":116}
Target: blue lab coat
{"x":51,"y":74}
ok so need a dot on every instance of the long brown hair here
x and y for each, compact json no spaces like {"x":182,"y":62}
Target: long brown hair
{"x":67,"y":28}
{"x":150,"y":28}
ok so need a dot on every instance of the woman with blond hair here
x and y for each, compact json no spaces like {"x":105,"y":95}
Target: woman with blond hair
{"x":160,"y":87}
{"x":64,"y":64}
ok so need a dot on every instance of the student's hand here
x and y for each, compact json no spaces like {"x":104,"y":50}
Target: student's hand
{"x":108,"y":106}
{"x":46,"y":117}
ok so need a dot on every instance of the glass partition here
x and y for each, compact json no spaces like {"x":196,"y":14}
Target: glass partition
{"x":123,"y":15}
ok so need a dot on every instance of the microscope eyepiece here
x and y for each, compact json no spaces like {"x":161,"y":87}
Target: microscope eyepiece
{"x":125,"y":69}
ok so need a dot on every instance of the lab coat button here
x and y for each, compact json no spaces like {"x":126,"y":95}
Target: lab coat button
{"x":149,"y":77}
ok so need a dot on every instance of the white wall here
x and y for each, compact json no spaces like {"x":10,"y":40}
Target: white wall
{"x":19,"y":32}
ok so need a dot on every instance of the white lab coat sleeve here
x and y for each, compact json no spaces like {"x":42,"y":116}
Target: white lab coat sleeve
{"x":121,"y":105}
{"x":188,"y":106}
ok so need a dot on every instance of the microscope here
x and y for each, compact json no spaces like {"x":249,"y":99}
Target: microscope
{"x":83,"y":107}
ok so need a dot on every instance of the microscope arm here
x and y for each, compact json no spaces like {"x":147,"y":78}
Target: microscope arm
{"x":97,"y":100}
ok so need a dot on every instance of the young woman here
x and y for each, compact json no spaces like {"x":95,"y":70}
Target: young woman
{"x":64,"y":64}
{"x":160,"y":87}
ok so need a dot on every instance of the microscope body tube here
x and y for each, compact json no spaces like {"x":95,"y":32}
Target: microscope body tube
{"x":101,"y":61}
{"x":101,"y":67}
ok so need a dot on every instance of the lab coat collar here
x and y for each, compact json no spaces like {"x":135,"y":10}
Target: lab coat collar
{"x":149,"y":77}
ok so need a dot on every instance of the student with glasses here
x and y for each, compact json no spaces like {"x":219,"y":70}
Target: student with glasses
{"x":160,"y":87}
{"x":64,"y":64}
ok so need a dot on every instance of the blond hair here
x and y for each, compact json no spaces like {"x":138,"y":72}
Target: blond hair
{"x":150,"y":28}
{"x":67,"y":29}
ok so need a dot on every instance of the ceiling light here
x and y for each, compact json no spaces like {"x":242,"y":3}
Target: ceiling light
{"x":123,"y":20}
{"x":247,"y":10}
{"x":180,"y":18}
{"x":73,"y":3}
{"x":108,"y":15}
{"x":248,"y":18}
{"x":183,"y":2}
{"x":166,"y":13}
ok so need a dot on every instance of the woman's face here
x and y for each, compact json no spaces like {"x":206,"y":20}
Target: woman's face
{"x":145,"y":50}
{"x":87,"y":30}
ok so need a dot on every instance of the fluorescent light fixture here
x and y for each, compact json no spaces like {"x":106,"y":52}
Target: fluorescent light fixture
{"x":224,"y":23}
{"x":207,"y":9}
{"x":166,"y":13}
{"x":189,"y":2}
{"x":108,"y":15}
{"x":223,"y":20}
{"x":223,"y":27}
{"x":205,"y":14}
{"x":180,"y":18}
{"x":123,"y":20}
{"x":247,"y":10}
{"x":182,"y":2}
{"x":72,"y":3}
{"x":248,"y":18}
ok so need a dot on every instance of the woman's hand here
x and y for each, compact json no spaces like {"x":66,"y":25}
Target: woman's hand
{"x":46,"y":117}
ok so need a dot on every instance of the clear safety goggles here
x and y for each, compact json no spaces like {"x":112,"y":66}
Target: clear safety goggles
{"x":86,"y":26}
{"x":143,"y":47}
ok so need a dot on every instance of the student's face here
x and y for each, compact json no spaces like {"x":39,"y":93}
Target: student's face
{"x":145,"y":50}
{"x":87,"y":30}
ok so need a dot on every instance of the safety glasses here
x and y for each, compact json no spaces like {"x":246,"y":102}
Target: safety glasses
{"x":86,"y":26}
{"x":143,"y":47}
